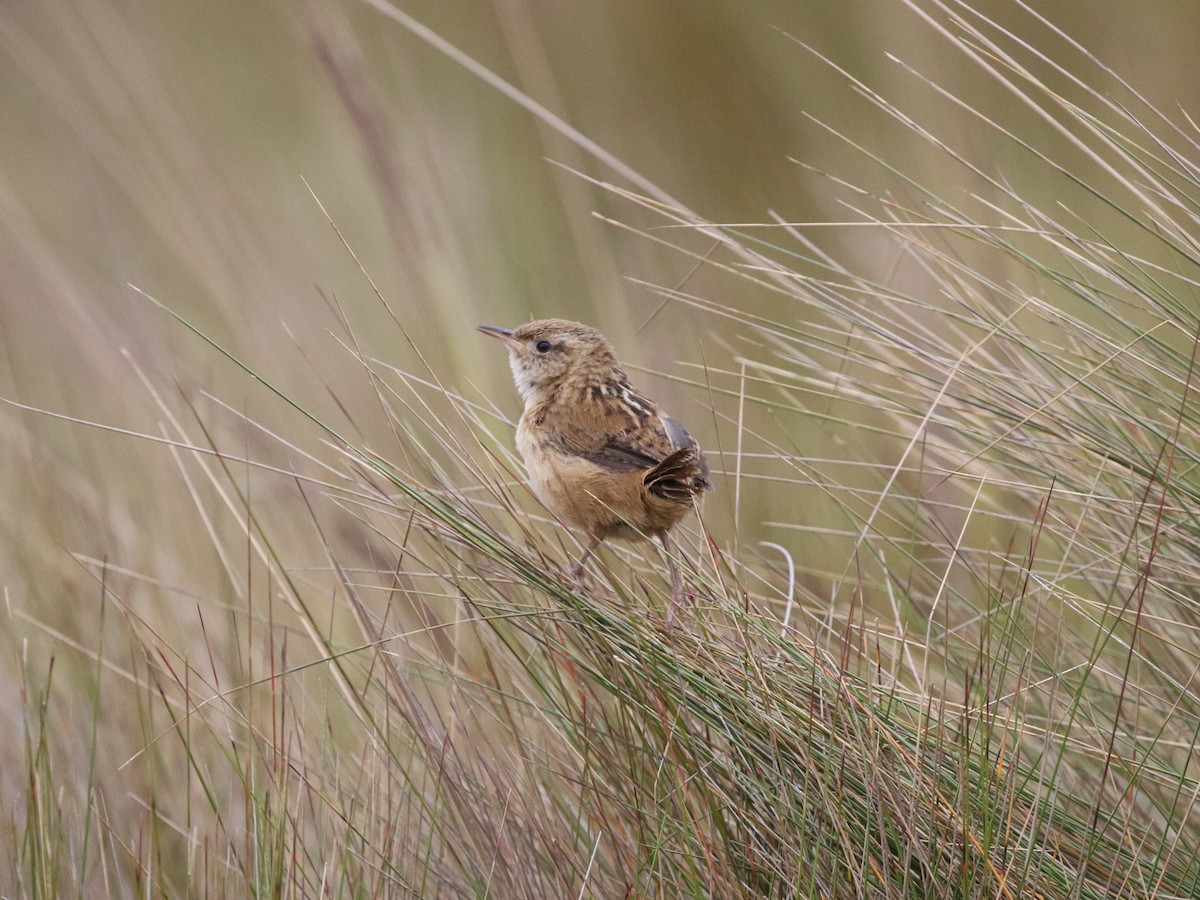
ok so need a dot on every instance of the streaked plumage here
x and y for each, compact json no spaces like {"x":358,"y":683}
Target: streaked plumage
{"x":599,"y":454}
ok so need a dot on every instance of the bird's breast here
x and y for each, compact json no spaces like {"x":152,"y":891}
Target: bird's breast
{"x":603,"y":501}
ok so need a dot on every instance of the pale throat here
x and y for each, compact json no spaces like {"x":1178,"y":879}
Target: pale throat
{"x":526,"y":386}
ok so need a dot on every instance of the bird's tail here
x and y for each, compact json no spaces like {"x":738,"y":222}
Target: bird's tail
{"x":679,"y":477}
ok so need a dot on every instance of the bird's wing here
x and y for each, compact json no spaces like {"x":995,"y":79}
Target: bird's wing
{"x":625,"y":435}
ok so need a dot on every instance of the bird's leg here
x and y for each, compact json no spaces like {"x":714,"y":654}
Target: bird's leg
{"x":576,"y":571}
{"x":677,"y":595}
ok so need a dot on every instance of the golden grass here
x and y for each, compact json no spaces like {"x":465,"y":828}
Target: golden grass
{"x":283,"y":620}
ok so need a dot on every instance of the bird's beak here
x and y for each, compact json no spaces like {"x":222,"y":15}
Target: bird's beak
{"x":503,"y":334}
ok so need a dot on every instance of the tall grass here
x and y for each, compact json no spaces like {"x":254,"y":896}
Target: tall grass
{"x":952,"y":654}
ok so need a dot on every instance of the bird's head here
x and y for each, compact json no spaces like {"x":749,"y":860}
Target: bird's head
{"x":547,"y":351}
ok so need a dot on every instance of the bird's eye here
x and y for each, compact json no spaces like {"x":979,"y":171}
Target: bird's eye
{"x":543,"y":347}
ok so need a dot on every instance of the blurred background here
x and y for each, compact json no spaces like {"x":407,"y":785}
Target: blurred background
{"x":172,"y":147}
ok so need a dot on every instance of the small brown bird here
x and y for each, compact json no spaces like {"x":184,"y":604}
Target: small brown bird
{"x":598,"y":453}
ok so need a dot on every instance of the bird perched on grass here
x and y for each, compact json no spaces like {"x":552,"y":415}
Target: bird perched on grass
{"x":599,"y":454}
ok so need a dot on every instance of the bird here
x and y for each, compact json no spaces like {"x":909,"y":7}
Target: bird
{"x":599,"y":454}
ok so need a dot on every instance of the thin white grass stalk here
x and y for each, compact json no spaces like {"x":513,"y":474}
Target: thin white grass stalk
{"x":790,"y":593}
{"x":952,"y":560}
{"x":915,"y":671}
{"x":591,"y":862}
{"x":740,"y":432}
